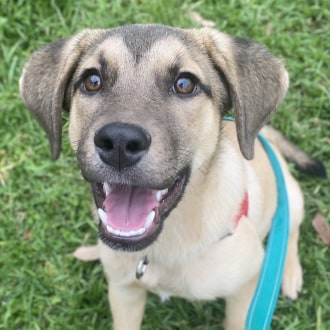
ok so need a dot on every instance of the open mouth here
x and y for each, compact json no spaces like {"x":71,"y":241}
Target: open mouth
{"x":132,"y":217}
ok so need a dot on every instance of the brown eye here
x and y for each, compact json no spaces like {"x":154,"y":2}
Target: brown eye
{"x":92,"y":83}
{"x":184,"y":85}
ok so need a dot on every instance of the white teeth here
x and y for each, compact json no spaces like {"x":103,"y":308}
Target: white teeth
{"x":149,"y":220}
{"x":110,"y":230}
{"x":106,"y":188}
{"x":140,"y":231}
{"x":125,"y":233}
{"x":117,"y":232}
{"x":164,"y":191}
{"x":103,"y":216}
{"x":160,"y":194}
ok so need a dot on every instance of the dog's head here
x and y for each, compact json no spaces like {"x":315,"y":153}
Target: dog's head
{"x":145,"y":104}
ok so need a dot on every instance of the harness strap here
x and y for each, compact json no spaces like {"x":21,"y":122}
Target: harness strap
{"x":243,"y":211}
{"x":265,"y":297}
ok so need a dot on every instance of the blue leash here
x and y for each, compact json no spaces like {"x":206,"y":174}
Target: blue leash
{"x":263,"y":303}
{"x":265,"y":296}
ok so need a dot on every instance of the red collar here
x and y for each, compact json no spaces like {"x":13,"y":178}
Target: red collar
{"x":243,"y":211}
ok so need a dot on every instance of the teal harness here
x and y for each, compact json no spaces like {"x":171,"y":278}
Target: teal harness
{"x":265,"y":297}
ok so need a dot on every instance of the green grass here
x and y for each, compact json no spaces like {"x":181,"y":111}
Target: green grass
{"x":44,"y":205}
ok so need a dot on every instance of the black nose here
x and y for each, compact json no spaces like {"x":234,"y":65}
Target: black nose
{"x":122,"y":145}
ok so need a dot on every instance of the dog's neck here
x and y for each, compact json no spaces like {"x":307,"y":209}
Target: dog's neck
{"x":243,"y":212}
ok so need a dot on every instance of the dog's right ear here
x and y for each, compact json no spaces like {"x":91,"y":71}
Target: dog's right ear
{"x":44,"y":80}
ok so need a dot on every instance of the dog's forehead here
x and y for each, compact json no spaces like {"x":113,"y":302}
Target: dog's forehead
{"x":128,"y":45}
{"x":138,"y":51}
{"x":139,"y":39}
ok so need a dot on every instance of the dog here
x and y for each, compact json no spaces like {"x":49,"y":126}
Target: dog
{"x":169,"y":175}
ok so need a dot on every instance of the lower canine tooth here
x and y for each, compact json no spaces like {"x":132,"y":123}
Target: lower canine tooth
{"x":149,"y":220}
{"x":103,"y":216}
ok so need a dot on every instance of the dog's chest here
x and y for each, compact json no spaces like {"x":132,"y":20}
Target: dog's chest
{"x":216,"y":272}
{"x":192,"y":281}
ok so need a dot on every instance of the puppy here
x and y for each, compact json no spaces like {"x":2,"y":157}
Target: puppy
{"x":169,"y":175}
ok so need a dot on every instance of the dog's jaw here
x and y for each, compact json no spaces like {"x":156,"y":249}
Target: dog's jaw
{"x":131,"y":217}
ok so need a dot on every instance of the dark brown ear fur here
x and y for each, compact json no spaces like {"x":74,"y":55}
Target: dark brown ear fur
{"x":257,"y":82}
{"x":44,"y":81}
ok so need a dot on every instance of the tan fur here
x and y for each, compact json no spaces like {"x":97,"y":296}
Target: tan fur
{"x":193,"y":257}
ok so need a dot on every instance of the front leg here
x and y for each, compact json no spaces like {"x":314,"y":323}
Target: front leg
{"x":127,"y":306}
{"x":238,"y":304}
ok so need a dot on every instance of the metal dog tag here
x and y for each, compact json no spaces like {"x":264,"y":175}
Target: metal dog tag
{"x":141,"y":267}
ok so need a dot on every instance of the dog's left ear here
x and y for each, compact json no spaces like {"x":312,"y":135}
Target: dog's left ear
{"x":257,"y":81}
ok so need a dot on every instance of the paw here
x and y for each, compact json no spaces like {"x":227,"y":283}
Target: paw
{"x":87,"y":253}
{"x":292,"y":280}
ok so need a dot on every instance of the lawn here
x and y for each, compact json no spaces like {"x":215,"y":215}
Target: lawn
{"x":44,"y":205}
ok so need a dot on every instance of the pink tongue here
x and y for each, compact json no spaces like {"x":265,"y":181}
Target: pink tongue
{"x":128,"y":207}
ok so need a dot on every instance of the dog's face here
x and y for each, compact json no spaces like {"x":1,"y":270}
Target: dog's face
{"x":142,"y":119}
{"x":145,"y":104}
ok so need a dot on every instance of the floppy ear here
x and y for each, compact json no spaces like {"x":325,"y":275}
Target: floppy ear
{"x":257,"y":82}
{"x":44,"y":80}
